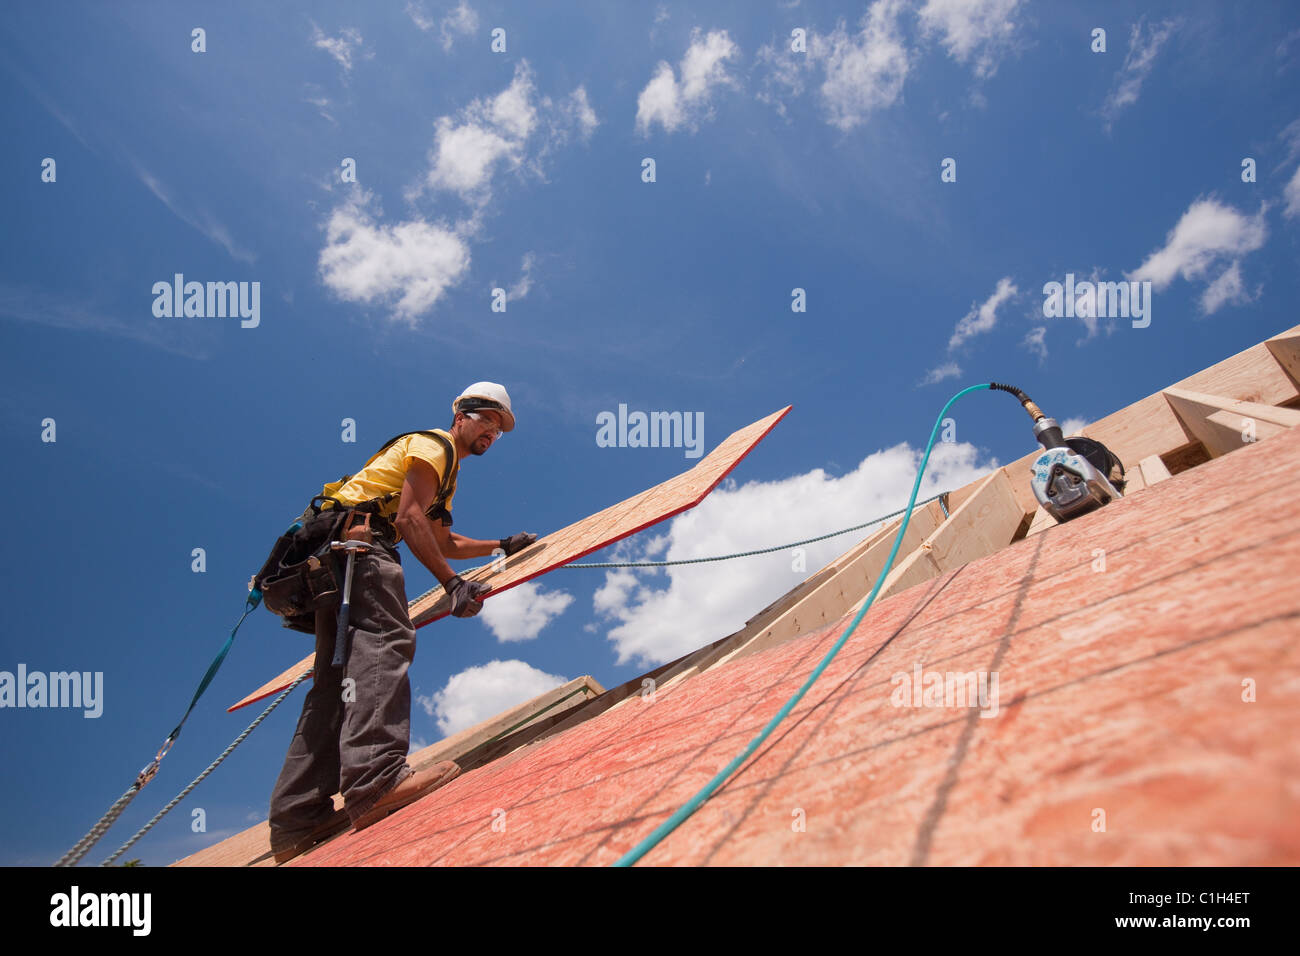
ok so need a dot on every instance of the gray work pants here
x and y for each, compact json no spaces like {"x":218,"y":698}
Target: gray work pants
{"x":354,"y":732}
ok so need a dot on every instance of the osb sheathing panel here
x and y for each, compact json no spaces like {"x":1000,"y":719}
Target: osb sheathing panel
{"x":615,"y":523}
{"x":597,"y":531}
{"x":252,"y":847}
{"x":1120,"y":702}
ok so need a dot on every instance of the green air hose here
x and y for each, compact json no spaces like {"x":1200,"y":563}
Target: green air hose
{"x":695,"y":802}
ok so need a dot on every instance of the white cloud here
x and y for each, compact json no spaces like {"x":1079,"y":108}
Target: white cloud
{"x":703,"y":602}
{"x":660,"y":101}
{"x":341,"y":47}
{"x":784,"y":72}
{"x":407,"y":266}
{"x":461,"y":21}
{"x":75,"y":311}
{"x":1091,"y":321}
{"x":410,"y":265}
{"x":520,"y":613}
{"x":1072,"y":426}
{"x":580,"y":111}
{"x":1144,"y":43}
{"x":420,"y":17}
{"x":978,"y":30}
{"x":1210,"y":237}
{"x":864,"y":72}
{"x":466,"y":151}
{"x":982,"y":318}
{"x":1291,"y":136}
{"x":479,"y":693}
{"x":675,"y":104}
{"x":946,"y":370}
{"x":525,"y":283}
{"x":464,"y":156}
{"x":1292,"y":196}
{"x":496,"y":133}
{"x":200,"y":221}
{"x":1035,"y":341}
{"x":1227,"y":289}
{"x":319,"y":100}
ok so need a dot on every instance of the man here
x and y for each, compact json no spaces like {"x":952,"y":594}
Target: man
{"x":354,"y":732}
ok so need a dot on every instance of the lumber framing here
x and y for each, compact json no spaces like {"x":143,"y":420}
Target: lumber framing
{"x":1223,"y":425}
{"x":1265,"y":374}
{"x":985,"y":522}
{"x":835,"y":597}
{"x":1196,"y":419}
{"x":1153,"y":469}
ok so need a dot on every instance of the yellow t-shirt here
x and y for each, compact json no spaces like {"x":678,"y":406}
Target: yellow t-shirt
{"x":387,"y":473}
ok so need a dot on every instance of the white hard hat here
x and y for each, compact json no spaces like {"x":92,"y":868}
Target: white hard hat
{"x":488,"y":395}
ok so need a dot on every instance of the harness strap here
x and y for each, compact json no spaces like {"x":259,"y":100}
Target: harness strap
{"x":445,"y":487}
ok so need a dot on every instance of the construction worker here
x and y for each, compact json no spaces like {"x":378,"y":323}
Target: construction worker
{"x":354,"y":732}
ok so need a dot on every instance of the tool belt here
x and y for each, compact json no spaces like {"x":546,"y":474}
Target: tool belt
{"x":302,"y":573}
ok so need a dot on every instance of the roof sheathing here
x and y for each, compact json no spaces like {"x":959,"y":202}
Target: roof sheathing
{"x":1120,"y":704}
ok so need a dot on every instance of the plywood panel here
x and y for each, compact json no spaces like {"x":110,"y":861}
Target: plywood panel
{"x":1120,"y":689}
{"x":252,"y":847}
{"x":581,"y":538}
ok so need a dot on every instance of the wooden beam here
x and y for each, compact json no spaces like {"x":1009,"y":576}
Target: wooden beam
{"x":1041,"y":522}
{"x":1265,"y":373}
{"x":719,"y":651}
{"x":1286,"y":351}
{"x":834,"y":598}
{"x":1223,"y":424}
{"x":1153,"y":469}
{"x":558,"y":700}
{"x":985,"y":523}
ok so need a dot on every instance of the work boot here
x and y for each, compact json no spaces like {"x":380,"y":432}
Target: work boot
{"x":285,"y":849}
{"x":411,"y":788}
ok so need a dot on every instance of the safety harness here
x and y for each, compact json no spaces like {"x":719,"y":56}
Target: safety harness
{"x":302,"y":572}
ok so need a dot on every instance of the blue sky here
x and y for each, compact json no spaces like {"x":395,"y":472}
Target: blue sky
{"x":522,"y":170}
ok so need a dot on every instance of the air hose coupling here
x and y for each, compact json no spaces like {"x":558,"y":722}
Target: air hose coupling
{"x":1046,"y":430}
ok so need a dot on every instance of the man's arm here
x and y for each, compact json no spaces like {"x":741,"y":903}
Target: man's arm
{"x":459,"y":546}
{"x":430,"y":541}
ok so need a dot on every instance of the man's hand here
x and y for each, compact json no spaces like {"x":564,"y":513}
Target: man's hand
{"x":465,"y":596}
{"x":517,"y":542}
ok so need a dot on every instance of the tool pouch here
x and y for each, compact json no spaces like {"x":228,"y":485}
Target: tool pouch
{"x":300,"y":575}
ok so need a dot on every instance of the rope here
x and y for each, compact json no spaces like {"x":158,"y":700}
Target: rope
{"x":151,"y":769}
{"x":211,"y":767}
{"x":745,"y":554}
{"x":100,"y":828}
{"x":695,"y":802}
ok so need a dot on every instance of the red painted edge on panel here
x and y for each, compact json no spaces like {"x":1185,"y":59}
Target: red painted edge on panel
{"x":649,"y":524}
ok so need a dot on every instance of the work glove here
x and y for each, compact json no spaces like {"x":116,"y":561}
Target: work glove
{"x":517,"y":542}
{"x":465,"y":596}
